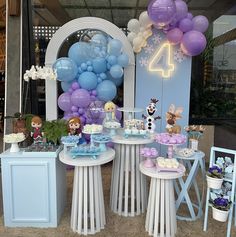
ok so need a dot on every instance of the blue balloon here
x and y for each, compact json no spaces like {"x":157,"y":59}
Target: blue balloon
{"x":79,"y":52}
{"x":65,"y":85}
{"x":112,"y":60}
{"x":106,"y":91}
{"x":117,"y":81}
{"x":114,"y":47}
{"x":99,"y":39}
{"x":99,"y":65}
{"x":116,"y":71}
{"x":88,"y":80}
{"x":123,"y":60}
{"x":66,"y":69}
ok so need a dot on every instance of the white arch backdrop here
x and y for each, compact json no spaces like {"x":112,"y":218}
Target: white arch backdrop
{"x":80,"y":24}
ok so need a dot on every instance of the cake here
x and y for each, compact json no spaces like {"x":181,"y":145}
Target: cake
{"x":92,"y":128}
{"x":167,"y":163}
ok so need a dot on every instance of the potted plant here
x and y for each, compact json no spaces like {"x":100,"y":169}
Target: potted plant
{"x":220,"y":209}
{"x":54,"y":130}
{"x":214,"y":177}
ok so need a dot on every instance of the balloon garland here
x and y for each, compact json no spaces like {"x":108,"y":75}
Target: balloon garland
{"x":173,"y":18}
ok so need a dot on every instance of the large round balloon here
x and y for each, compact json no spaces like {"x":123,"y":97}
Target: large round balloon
{"x":185,"y":25}
{"x":99,"y":39}
{"x":66,"y":85}
{"x":88,"y":80}
{"x":80,"y":98}
{"x":145,"y":20}
{"x":174,"y":36}
{"x":134,"y":25}
{"x":64,"y":101}
{"x":106,"y":90}
{"x":99,"y":65}
{"x":181,"y":10}
{"x":161,"y":12}
{"x":193,"y":43}
{"x":79,"y":52}
{"x":117,"y":81}
{"x":200,"y":23}
{"x":123,"y":60}
{"x":66,"y":69}
{"x":95,"y":109}
{"x":114,"y":47}
{"x":116,"y":71}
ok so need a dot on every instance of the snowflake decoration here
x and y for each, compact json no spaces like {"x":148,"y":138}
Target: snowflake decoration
{"x":149,"y":49}
{"x":157,"y":39}
{"x":143,"y":62}
{"x":179,"y":56}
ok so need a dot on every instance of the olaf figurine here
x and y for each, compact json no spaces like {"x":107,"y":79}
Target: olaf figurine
{"x":150,"y":119}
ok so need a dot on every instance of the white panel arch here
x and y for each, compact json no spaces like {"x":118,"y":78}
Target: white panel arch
{"x":70,"y":28}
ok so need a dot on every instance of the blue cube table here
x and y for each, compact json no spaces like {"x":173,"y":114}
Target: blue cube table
{"x":34,"y":188}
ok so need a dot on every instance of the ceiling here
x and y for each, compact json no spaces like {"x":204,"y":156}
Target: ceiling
{"x":58,"y":12}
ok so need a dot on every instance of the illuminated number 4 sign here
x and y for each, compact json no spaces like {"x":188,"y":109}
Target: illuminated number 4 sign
{"x":162,"y":61}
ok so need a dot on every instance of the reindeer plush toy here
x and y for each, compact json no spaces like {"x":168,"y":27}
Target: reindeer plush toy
{"x":151,"y":109}
{"x":171,"y":116}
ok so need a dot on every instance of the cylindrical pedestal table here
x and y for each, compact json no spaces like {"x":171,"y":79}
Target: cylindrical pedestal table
{"x":87,"y":212}
{"x":161,"y":212}
{"x":128,"y":186}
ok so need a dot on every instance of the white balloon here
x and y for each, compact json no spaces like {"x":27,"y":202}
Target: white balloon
{"x":137,"y":49}
{"x":147,"y":33}
{"x":133,"y":25}
{"x":144,"y":19}
{"x":131,"y":36}
{"x":142,"y":29}
{"x":138,"y":42}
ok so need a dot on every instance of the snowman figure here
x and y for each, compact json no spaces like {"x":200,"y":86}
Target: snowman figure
{"x":150,"y":119}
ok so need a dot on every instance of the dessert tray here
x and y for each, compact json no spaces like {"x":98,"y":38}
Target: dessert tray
{"x":185,"y":152}
{"x":167,"y":165}
{"x":70,"y":140}
{"x":85,"y":150}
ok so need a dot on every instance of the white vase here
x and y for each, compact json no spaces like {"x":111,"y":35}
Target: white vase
{"x":14,"y":147}
{"x":219,"y":215}
{"x":214,"y":183}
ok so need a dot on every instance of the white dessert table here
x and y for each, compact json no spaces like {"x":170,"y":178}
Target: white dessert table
{"x":128,"y":195}
{"x":87,"y":212}
{"x":192,"y":165}
{"x":161,"y":212}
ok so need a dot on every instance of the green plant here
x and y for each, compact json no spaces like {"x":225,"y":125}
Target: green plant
{"x":54,"y":130}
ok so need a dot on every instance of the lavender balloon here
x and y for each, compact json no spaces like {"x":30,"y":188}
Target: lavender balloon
{"x":80,"y":98}
{"x":75,"y":85}
{"x":181,"y":10}
{"x":193,"y":43}
{"x":200,"y":23}
{"x":161,"y":12}
{"x":64,"y":101}
{"x":185,"y":25}
{"x":174,"y":36}
{"x":189,"y":15}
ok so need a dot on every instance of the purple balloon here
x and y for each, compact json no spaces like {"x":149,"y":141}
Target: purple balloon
{"x":189,"y":15}
{"x":174,"y":36}
{"x":64,"y":101}
{"x":161,"y":12}
{"x":181,"y":10}
{"x":76,"y":114}
{"x":94,"y":92}
{"x":75,"y":85}
{"x":185,"y":25}
{"x":70,"y":91}
{"x":83,"y":119}
{"x":80,"y":98}
{"x":81,"y":111}
{"x":200,"y":23}
{"x":118,"y":114}
{"x":74,"y":108}
{"x":93,"y":98}
{"x":193,"y":43}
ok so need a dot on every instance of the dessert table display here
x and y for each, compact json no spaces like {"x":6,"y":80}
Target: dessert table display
{"x":33,"y":187}
{"x":128,"y":186}
{"x":161,"y":212}
{"x":192,"y":161}
{"x":87,"y":212}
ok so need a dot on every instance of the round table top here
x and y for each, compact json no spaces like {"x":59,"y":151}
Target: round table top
{"x":103,"y":158}
{"x":130,"y":109}
{"x":153,"y":173}
{"x":132,"y":140}
{"x":196,"y":155}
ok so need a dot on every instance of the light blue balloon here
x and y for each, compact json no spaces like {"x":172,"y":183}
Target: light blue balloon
{"x":99,"y":65}
{"x":66,"y":69}
{"x":99,"y":39}
{"x":123,"y":60}
{"x":79,"y":52}
{"x":88,"y":80}
{"x":117,"y":81}
{"x":116,"y":71}
{"x":112,"y":60}
{"x":65,"y":86}
{"x":114,"y":47}
{"x":106,"y":91}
